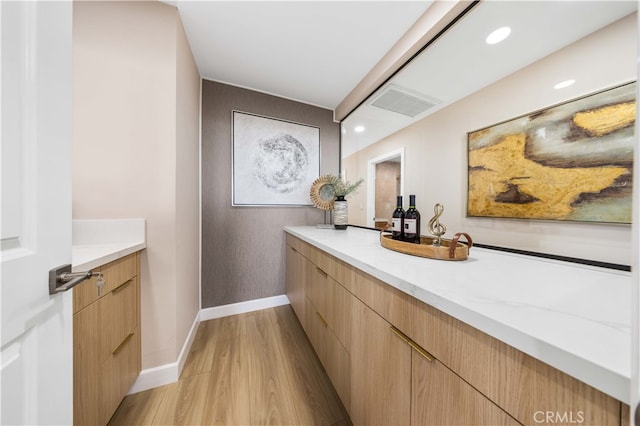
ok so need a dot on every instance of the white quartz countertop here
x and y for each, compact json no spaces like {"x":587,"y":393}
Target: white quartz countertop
{"x":96,"y":242}
{"x":573,"y":317}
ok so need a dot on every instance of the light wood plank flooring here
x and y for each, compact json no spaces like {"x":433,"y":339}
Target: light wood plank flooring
{"x":250,"y":369}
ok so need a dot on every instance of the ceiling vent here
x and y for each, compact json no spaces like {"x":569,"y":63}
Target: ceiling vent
{"x":403,"y":101}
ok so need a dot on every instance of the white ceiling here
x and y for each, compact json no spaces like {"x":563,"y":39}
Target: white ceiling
{"x":314,"y":52}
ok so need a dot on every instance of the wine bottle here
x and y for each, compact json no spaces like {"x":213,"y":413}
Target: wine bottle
{"x":397,"y":230}
{"x":412,"y":222}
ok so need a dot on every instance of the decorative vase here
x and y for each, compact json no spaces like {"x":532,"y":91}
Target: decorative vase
{"x":340,"y":212}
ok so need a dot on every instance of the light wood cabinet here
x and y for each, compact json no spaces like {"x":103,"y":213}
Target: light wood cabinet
{"x":395,"y":381}
{"x":473,"y":378}
{"x":106,"y":341}
{"x":522,"y":385}
{"x":295,"y":282}
{"x":380,"y":371}
{"x":441,"y":397}
{"x":328,"y":313}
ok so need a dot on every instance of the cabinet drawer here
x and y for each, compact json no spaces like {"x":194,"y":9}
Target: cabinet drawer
{"x":298,"y":245}
{"x":119,"y":272}
{"x":120,"y":371}
{"x":121,"y":314}
{"x":337,"y":270}
{"x":115,"y":274}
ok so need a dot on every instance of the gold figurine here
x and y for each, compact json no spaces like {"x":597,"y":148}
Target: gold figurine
{"x":435,"y":227}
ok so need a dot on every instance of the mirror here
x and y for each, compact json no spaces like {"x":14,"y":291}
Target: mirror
{"x":459,"y":84}
{"x":322,"y":194}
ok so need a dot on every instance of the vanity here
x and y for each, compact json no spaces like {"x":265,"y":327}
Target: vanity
{"x":106,"y":319}
{"x":499,"y":338}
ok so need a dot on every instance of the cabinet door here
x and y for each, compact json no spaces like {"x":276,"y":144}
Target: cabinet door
{"x":295,"y":281}
{"x":380,"y":371}
{"x":339,"y":369}
{"x":440,"y":397}
{"x":519,"y":383}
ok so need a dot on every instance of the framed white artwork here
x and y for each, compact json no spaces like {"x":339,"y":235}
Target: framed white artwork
{"x":274,"y":161}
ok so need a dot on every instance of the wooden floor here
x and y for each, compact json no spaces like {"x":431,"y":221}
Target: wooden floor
{"x":250,"y":369}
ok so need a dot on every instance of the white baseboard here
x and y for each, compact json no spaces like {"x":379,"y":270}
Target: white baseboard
{"x":170,"y":373}
{"x":184,"y":353}
{"x":243,"y":307}
{"x":154,"y":377}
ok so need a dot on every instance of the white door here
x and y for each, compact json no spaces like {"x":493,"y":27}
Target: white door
{"x":36,"y":340}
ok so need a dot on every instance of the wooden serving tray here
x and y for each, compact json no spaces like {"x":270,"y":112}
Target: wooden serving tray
{"x":448,"y":250}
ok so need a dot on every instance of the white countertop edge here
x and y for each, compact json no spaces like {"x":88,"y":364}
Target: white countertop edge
{"x":90,"y":256}
{"x":600,"y":377}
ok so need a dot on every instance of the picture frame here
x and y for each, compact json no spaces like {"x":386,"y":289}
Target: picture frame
{"x":569,"y":162}
{"x":274,"y":162}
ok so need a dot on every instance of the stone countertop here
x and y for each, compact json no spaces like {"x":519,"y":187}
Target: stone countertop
{"x":573,"y":317}
{"x":96,"y":242}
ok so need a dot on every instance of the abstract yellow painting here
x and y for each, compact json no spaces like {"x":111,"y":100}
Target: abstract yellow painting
{"x":572,"y":162}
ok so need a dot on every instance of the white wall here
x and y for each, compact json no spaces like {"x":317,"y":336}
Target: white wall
{"x":135,"y":141}
{"x":187,"y":189}
{"x":436,"y":148}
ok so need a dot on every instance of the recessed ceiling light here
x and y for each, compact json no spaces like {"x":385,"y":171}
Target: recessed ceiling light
{"x":498,"y":35}
{"x":359,"y":129}
{"x":564,"y":84}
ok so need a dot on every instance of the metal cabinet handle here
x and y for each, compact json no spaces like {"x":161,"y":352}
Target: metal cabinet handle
{"x":122,"y":286}
{"x":324,"y":321}
{"x":400,"y":334}
{"x":121,"y":345}
{"x":413,"y":344}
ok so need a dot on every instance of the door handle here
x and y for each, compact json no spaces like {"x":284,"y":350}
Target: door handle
{"x":62,"y":279}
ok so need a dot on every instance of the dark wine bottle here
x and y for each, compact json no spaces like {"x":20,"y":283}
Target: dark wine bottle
{"x":397,"y":230}
{"x":412,"y":222}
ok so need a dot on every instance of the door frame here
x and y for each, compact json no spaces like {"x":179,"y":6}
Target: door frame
{"x":371,"y":178}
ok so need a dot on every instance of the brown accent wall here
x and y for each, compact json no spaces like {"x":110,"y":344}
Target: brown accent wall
{"x":243,"y":248}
